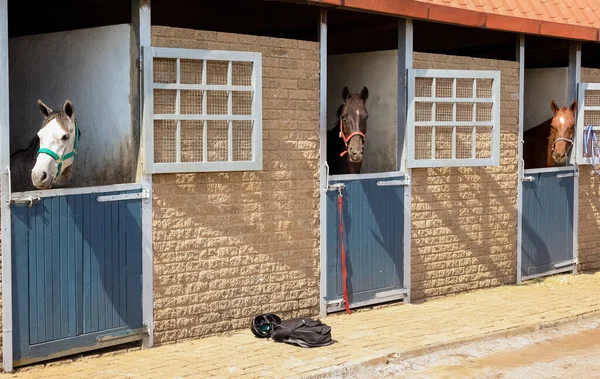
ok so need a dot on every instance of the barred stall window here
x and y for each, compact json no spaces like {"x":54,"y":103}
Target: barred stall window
{"x":207,"y":111}
{"x":453,"y":118}
{"x":587,"y":130}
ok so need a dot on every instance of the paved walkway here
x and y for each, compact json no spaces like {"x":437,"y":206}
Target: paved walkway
{"x":369,"y":336}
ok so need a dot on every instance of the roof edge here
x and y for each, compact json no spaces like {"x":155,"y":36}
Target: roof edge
{"x":465,"y":17}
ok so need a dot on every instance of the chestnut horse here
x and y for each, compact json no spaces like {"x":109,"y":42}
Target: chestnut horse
{"x":549,"y":144}
{"x":345,"y":142}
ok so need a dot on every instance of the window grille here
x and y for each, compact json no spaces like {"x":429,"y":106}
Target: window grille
{"x":207,"y":111}
{"x":453,"y":118}
{"x":587,"y":128}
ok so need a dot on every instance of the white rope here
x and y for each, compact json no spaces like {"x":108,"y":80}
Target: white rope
{"x":590,"y":133}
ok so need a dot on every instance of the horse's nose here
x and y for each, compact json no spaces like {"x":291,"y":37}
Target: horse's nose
{"x":355,"y":150}
{"x":558,"y":156}
{"x":355,"y":154}
{"x":40,"y":178}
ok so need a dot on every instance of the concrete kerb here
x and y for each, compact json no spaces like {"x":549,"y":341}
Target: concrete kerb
{"x":348,"y":368}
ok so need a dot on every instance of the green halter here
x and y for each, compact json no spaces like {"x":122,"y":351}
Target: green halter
{"x":60,"y":159}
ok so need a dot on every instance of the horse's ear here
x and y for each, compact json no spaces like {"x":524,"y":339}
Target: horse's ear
{"x":364,"y":94}
{"x":46,"y":110}
{"x":554,"y":107}
{"x":69,"y":109}
{"x":573,"y":106}
{"x":345,"y":93}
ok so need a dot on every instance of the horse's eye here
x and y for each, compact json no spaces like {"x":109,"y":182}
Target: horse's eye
{"x":65,"y":137}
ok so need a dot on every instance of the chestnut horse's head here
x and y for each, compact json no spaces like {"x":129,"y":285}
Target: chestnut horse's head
{"x":353,"y":123}
{"x":560,"y":141}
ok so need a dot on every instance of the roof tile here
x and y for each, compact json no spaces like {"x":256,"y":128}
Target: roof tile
{"x":538,"y":10}
{"x":573,"y":19}
{"x":583,"y":12}
{"x":524,"y":6}
{"x":510,"y":5}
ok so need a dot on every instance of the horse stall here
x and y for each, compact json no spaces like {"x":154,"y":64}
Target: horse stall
{"x":73,"y":246}
{"x":433,"y":210}
{"x":365,"y":209}
{"x":548,"y":198}
{"x":190,"y":200}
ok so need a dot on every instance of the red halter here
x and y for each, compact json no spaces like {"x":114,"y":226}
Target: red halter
{"x":346,"y":139}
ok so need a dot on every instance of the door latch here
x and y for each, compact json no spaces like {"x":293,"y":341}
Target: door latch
{"x":569,"y":175}
{"x":30,"y":200}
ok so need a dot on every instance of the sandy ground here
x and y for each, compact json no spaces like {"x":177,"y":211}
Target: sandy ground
{"x":568,"y":351}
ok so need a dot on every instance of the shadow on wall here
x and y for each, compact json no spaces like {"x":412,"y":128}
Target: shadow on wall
{"x":589,"y":203}
{"x":230,"y":246}
{"x":479,"y":233}
{"x":589,"y":220}
{"x":464,"y":223}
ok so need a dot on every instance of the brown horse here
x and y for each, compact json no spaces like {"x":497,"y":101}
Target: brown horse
{"x":345,"y":142}
{"x":549,"y":144}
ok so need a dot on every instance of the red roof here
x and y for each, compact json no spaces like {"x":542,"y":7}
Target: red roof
{"x":575,"y":19}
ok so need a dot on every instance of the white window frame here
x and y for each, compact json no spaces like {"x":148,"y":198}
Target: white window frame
{"x":494,"y":160}
{"x":580,"y":126}
{"x":255,"y":164}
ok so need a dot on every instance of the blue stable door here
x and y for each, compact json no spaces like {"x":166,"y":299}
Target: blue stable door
{"x":77,"y":282}
{"x":373,"y":230}
{"x":547,"y":223}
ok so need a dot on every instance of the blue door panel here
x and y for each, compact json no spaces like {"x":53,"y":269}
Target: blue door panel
{"x":76,"y":272}
{"x":373,"y":223}
{"x":547,"y":223}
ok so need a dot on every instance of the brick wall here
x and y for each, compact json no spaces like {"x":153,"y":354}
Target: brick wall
{"x":589,"y":203}
{"x":228,"y":246}
{"x":464,"y":220}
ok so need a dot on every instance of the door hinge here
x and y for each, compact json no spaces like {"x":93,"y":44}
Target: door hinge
{"x":122,"y":334}
{"x":335,"y":304}
{"x":126,"y":196}
{"x":571,"y":262}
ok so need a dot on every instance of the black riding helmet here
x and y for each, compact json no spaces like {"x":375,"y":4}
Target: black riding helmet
{"x":262,"y":325}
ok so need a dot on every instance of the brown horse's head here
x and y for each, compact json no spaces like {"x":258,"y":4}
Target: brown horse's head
{"x":560,"y":140}
{"x":353,"y":123}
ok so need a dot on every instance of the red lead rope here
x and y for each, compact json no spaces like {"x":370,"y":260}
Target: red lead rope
{"x":346,"y":302}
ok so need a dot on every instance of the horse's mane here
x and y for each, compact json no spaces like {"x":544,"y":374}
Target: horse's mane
{"x":338,"y":114}
{"x":33,"y":144}
{"x":35,"y":141}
